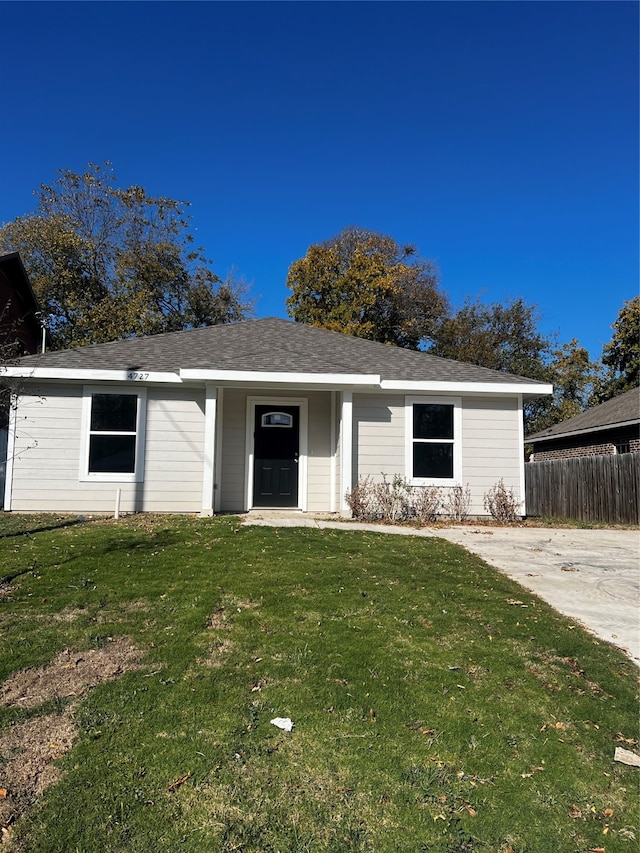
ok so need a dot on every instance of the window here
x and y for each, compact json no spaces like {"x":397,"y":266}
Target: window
{"x":113,"y":435}
{"x":277,"y":419}
{"x":433,"y":426}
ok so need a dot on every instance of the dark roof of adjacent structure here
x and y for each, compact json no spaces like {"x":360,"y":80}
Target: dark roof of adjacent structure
{"x":12,"y":266}
{"x":16,"y":294}
{"x":623,"y":410}
{"x":269,"y":345}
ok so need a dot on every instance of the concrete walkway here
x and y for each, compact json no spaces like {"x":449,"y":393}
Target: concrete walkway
{"x":592,"y":576}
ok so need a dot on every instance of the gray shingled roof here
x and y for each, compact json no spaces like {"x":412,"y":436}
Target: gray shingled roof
{"x":624,"y":409}
{"x":268,"y":345}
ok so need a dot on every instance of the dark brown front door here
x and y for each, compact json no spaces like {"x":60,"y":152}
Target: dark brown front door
{"x":275,"y":456}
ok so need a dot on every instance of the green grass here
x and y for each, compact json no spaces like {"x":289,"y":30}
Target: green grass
{"x":437,"y":705}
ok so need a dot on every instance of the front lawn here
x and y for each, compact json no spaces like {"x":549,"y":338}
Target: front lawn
{"x":437,"y":705}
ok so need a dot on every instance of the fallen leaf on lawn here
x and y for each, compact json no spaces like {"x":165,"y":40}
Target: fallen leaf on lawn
{"x":561,"y":727}
{"x":597,"y":850}
{"x":533,"y":770}
{"x":178,"y":782}
{"x":575,"y":813}
{"x":3,"y":792}
{"x":471,"y":811}
{"x":620,"y":738}
{"x":608,"y":812}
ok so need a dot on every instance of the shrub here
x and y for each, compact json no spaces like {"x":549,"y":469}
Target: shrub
{"x":398,"y":501}
{"x":359,"y":499}
{"x":427,"y":501}
{"x":501,"y":502}
{"x":458,"y":502}
{"x":393,"y":500}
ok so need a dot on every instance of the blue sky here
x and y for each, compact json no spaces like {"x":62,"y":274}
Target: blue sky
{"x":501,"y":138}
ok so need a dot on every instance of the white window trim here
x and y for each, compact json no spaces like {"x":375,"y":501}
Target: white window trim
{"x":456,"y":402}
{"x":141,"y":419}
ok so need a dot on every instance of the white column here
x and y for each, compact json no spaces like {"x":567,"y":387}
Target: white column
{"x":346,"y":447}
{"x":209,"y":450}
{"x":11,"y":449}
{"x":523,"y":505}
{"x":334,"y":448}
{"x":217,"y":467}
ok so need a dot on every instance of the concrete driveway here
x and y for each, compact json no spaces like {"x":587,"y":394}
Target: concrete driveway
{"x":592,"y":576}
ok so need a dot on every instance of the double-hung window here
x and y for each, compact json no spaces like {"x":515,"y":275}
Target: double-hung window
{"x":113,"y":435}
{"x":433,"y":440}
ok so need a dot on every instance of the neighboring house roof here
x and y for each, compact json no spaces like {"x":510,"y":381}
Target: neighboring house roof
{"x":623,"y":410}
{"x":19,"y":309}
{"x":275,"y":347}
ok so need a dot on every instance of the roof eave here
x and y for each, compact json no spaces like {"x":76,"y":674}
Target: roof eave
{"x":280,"y":378}
{"x":585,"y":431}
{"x":361,"y":381}
{"x":468,"y":387}
{"x":88,"y":375}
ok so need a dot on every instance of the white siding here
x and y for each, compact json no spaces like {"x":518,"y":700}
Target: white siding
{"x":319,"y":459}
{"x":234,"y":433}
{"x":378,"y":435}
{"x":46,"y":466}
{"x":491,"y":448}
{"x":234,"y":449}
{"x":47,"y":458}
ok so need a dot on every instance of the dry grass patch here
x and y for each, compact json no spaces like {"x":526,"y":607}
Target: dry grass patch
{"x":28,"y":750}
{"x":70,"y":674}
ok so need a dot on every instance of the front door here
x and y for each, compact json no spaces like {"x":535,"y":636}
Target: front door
{"x":275,"y":456}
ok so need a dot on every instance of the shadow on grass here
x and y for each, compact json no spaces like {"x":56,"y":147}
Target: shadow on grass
{"x":68,"y":522}
{"x":159,"y":539}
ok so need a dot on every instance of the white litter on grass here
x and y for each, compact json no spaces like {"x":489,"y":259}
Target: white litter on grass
{"x":283,"y":723}
{"x":625,"y":756}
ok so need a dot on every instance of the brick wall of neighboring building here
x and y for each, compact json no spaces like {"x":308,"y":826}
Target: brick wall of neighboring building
{"x":606,"y":442}
{"x":571,"y":452}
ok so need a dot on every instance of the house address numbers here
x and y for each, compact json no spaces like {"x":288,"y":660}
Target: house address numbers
{"x":137,"y":376}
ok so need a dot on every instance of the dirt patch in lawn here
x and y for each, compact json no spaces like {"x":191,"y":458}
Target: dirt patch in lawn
{"x":28,"y":749}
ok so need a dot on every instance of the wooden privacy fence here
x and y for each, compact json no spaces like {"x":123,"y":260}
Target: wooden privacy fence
{"x":587,"y":488}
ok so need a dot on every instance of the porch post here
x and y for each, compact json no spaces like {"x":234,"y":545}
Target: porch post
{"x":217,"y":464}
{"x":11,"y":449}
{"x":334,"y":450}
{"x":523,"y":499}
{"x":346,"y":447}
{"x":209,"y":456}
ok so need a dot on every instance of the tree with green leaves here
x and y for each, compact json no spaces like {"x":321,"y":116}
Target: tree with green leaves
{"x":107,"y":263}
{"x":621,"y":356}
{"x":364,"y":284}
{"x":507,"y":337}
{"x":500,"y":336}
{"x":572,"y":373}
